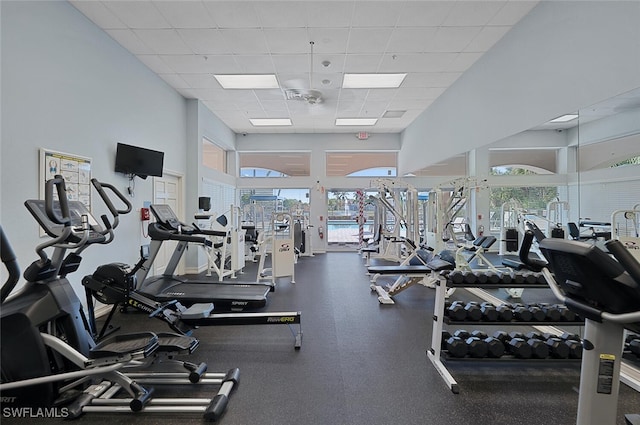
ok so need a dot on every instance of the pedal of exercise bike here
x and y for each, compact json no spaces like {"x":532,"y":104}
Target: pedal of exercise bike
{"x":142,"y":344}
{"x":176,"y":343}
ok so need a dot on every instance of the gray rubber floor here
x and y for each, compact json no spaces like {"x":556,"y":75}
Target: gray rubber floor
{"x":361,"y":363}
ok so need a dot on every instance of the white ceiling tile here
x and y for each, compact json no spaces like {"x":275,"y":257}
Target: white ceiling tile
{"x":185,"y":14}
{"x":512,"y":12}
{"x":380,"y":94}
{"x":406,"y":40}
{"x":233,"y":14}
{"x":472,"y":13}
{"x":423,"y":62}
{"x":245,"y":41}
{"x":335,"y":14}
{"x":130,"y":41}
{"x":279,"y":14}
{"x":99,"y":14}
{"x":224,"y":110}
{"x":486,"y":39}
{"x":156,"y":64}
{"x":287,"y":41}
{"x":175,"y":81}
{"x":287,"y":64}
{"x":369,"y":40}
{"x":376,"y":13}
{"x":356,"y":63}
{"x":453,"y":39}
{"x":269,"y":95}
{"x":275,"y":107}
{"x":255,"y":64}
{"x":163,"y":41}
{"x":424,"y":13}
{"x":205,"y":41}
{"x":373,"y":109}
{"x":329,"y":40}
{"x":138,"y":14}
{"x":198,"y":64}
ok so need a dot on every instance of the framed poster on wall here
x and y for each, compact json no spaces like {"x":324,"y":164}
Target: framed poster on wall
{"x":75,"y":169}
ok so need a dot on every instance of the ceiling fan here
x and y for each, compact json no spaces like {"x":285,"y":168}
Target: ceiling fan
{"x":296,"y":90}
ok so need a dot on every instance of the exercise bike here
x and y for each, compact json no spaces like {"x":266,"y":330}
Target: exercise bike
{"x":607,"y":293}
{"x":49,"y":360}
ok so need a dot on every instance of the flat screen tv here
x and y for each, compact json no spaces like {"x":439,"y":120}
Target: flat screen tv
{"x":136,"y":161}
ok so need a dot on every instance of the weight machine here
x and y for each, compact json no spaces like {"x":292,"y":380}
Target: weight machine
{"x":226,"y":254}
{"x":278,"y":242}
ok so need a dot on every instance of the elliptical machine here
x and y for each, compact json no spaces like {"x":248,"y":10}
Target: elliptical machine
{"x":49,"y":360}
{"x":607,"y":293}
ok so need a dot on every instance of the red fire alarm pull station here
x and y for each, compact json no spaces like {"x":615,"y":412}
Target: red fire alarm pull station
{"x":144,"y":214}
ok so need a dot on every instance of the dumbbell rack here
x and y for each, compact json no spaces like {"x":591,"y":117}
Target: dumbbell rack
{"x":436,"y":354}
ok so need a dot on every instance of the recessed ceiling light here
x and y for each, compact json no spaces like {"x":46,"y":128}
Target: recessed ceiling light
{"x":262,"y":122}
{"x":266,"y":81}
{"x":372,"y":81}
{"x":565,"y":118}
{"x":356,"y":121}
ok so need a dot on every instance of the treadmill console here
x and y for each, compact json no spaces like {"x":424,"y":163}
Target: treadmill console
{"x":76,"y":210}
{"x":167,"y":218}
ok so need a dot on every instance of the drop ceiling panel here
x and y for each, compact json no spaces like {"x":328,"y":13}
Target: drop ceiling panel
{"x":164,"y":41}
{"x":186,"y":14}
{"x":138,"y":14}
{"x":186,"y":42}
{"x":205,"y":41}
{"x":233,"y":14}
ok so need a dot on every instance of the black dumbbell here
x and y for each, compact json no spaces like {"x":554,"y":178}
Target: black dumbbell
{"x":517,"y":334}
{"x":569,"y":336}
{"x":506,"y":278}
{"x":474,"y":312}
{"x":575,"y":348}
{"x":469,"y":277}
{"x":493,"y":277}
{"x":539,"y":349}
{"x":501,"y":336}
{"x":456,"y":347}
{"x":530,"y":278}
{"x":445,"y":336}
{"x":522,"y":313}
{"x":557,"y":348}
{"x":462,"y":334}
{"x":519,"y":348}
{"x":495,"y":347}
{"x":505,"y":313}
{"x":551,"y":311}
{"x":517,"y":278}
{"x":541,"y":279}
{"x":476,"y":347}
{"x":456,"y":277}
{"x":566,"y":314}
{"x":479,"y":334}
{"x":535,"y":335}
{"x":489,"y":312}
{"x":481,"y":278}
{"x":537,"y":314}
{"x":456,"y":311}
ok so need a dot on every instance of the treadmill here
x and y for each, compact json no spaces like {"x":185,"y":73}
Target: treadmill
{"x":167,"y":287}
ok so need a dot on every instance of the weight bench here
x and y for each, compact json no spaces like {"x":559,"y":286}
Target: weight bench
{"x":409,"y":275}
{"x":479,"y":246}
{"x":372,"y":247}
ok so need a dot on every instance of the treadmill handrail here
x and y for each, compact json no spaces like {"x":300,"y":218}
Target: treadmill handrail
{"x":158,"y":232}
